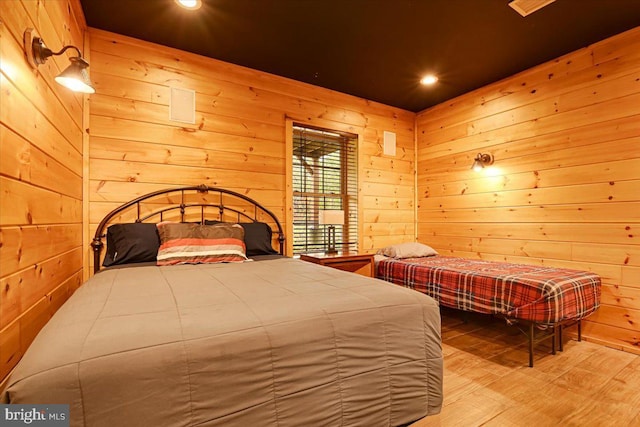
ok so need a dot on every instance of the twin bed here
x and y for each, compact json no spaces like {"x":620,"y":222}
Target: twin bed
{"x":542,"y":298}
{"x":266,"y":341}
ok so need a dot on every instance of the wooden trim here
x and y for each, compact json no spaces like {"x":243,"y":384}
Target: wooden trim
{"x":339,"y":127}
{"x":78,"y":15}
{"x":86,"y":116}
{"x":415,"y":181}
{"x":360,"y":197}
{"x":288,"y":194}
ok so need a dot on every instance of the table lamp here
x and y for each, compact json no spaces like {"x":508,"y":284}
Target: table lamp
{"x":331,"y":218}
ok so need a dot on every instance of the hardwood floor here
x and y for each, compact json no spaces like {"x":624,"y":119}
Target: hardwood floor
{"x":487,"y":380}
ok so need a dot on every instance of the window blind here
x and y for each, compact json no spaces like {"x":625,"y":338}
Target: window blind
{"x":324,"y":178}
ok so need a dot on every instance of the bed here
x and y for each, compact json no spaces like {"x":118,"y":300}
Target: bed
{"x":542,"y":298}
{"x":270,"y":341}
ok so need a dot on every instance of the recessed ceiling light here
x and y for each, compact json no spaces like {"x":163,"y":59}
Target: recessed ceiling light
{"x":429,"y":80}
{"x":190,"y":4}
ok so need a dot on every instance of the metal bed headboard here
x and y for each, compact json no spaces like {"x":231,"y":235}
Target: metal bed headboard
{"x":97,"y":243}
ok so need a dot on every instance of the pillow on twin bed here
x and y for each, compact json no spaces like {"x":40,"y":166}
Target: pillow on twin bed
{"x":131,"y":243}
{"x":257,"y":237}
{"x":407,"y":250}
{"x":186,"y":243}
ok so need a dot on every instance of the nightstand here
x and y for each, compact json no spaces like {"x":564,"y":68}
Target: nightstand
{"x":348,"y":261}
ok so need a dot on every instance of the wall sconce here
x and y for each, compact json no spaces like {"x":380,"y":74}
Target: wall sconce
{"x":331,"y":218}
{"x":481,"y":161}
{"x":74,"y":77}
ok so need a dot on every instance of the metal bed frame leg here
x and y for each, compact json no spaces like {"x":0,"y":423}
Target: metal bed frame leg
{"x":560,"y":344}
{"x":557,"y":331}
{"x":531,"y":332}
{"x":580,"y":330}
{"x":553,"y":331}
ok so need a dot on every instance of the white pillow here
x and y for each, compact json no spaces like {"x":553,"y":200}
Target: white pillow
{"x":407,"y":250}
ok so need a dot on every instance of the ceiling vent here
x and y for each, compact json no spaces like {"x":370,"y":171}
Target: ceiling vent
{"x":527,"y":7}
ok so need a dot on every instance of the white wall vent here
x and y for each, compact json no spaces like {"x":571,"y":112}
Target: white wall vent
{"x":389,"y":143}
{"x":527,"y":7}
{"x":182,"y":105}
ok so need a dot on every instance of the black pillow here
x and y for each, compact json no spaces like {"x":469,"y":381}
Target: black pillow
{"x":257,"y":237}
{"x":131,"y":243}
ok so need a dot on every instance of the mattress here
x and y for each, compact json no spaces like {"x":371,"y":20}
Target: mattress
{"x":277,"y":342}
{"x":543,"y":295}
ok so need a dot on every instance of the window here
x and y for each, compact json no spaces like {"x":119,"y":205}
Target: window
{"x":324,"y":178}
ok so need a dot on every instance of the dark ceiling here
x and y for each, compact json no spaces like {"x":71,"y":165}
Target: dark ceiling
{"x":374,"y":49}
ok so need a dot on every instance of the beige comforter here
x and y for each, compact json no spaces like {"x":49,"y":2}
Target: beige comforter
{"x":278,"y":342}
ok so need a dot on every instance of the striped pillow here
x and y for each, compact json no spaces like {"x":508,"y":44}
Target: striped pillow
{"x":184,"y":243}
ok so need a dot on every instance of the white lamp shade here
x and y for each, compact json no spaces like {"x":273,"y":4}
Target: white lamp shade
{"x":331,"y":217}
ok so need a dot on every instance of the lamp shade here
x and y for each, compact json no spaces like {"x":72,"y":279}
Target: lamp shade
{"x":75,"y":76}
{"x":331,"y":217}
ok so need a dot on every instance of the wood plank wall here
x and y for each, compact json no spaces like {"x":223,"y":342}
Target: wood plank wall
{"x":565,"y":190}
{"x":238,"y":141}
{"x":40,"y":174}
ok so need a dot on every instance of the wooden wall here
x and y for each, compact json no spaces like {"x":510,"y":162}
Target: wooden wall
{"x":41,"y":172}
{"x":238,"y":141}
{"x":565,"y":190}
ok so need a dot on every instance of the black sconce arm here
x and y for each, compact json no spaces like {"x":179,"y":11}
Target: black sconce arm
{"x":41,"y":52}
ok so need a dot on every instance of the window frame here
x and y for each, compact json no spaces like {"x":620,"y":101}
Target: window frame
{"x":331,"y":127}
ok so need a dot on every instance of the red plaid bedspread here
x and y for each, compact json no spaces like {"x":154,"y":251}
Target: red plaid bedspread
{"x":517,"y":291}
